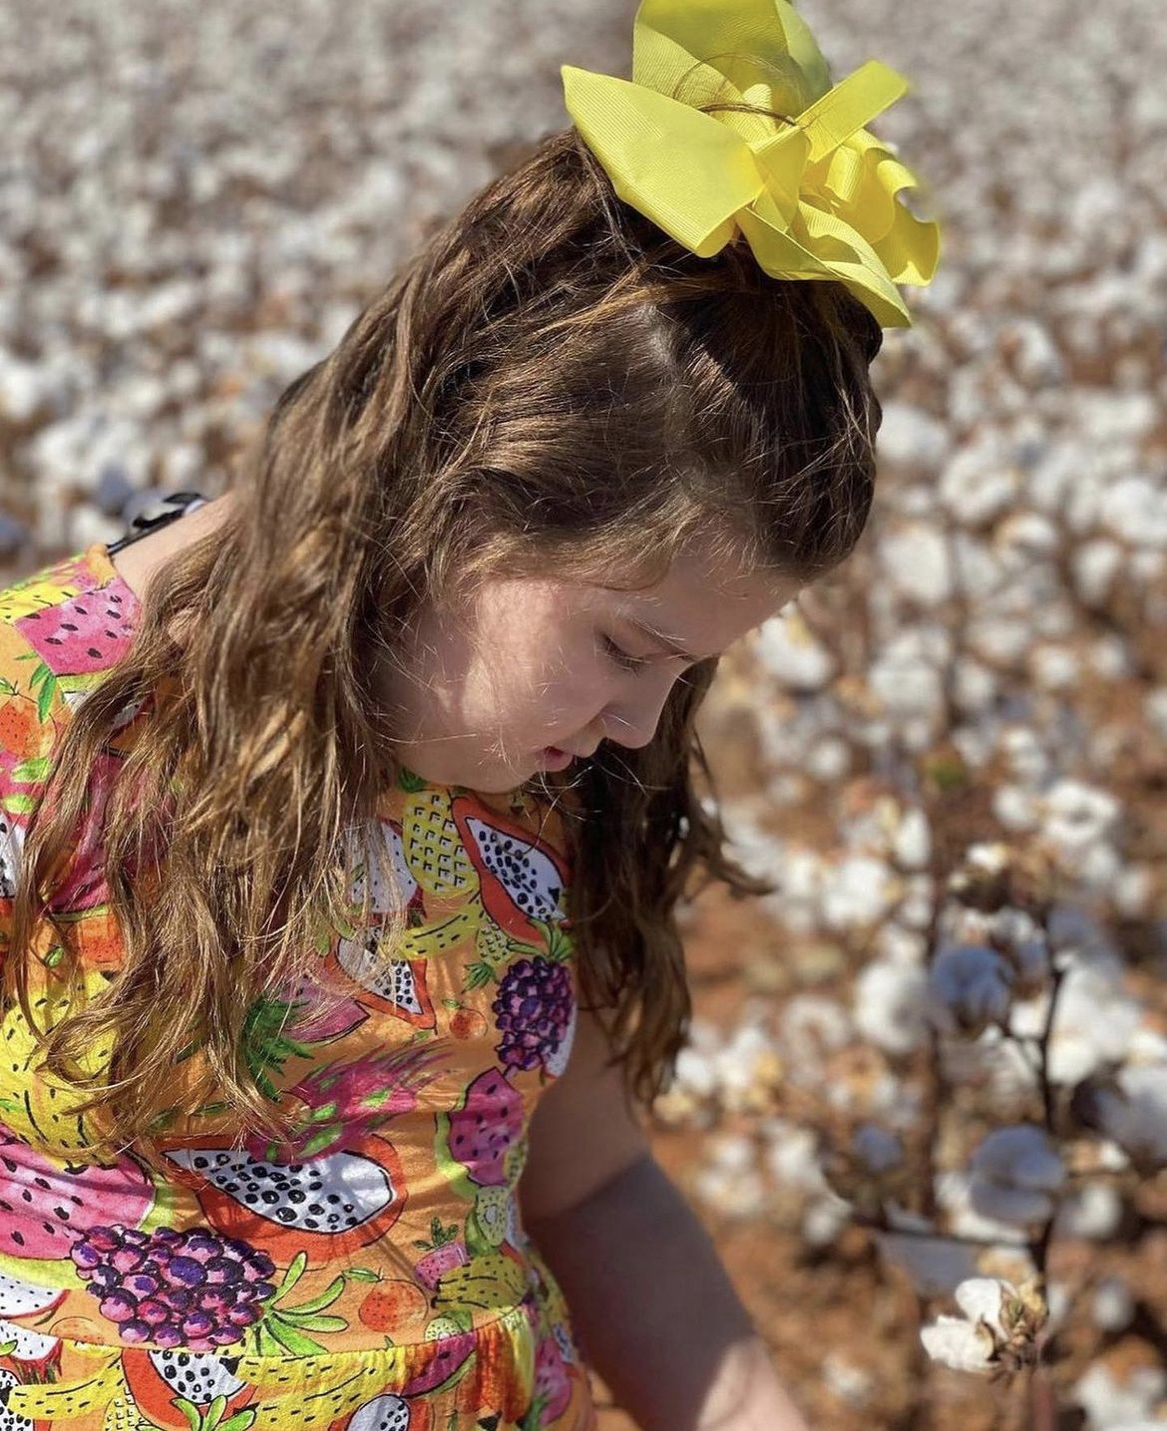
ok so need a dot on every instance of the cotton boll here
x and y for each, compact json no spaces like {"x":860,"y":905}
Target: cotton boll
{"x":829,"y":760}
{"x":912,"y":438}
{"x":1093,"y":1211}
{"x":1093,"y":1024}
{"x":969,"y":987}
{"x":917,"y":905}
{"x":894,"y":944}
{"x":977,"y":485}
{"x":747,"y":1069}
{"x":1155,"y":710}
{"x":858,"y":892}
{"x":824,"y":1220}
{"x":791,"y":1156}
{"x":1028,"y":760}
{"x":730,"y":1181}
{"x":1112,"y":1305}
{"x":890,"y":1007}
{"x":1013,"y":1173}
{"x":1108,"y":1403}
{"x":980,"y":1300}
{"x":759,"y":852}
{"x":1133,"y":890}
{"x":796,"y":901}
{"x":1004,"y":1318}
{"x":917,"y":563}
{"x":935,"y":1265}
{"x":974,"y":685}
{"x":1054,"y":668}
{"x":1131,"y":1109}
{"x":809,"y":1025}
{"x":912,"y":844}
{"x":786,"y":648}
{"x":1017,"y":805}
{"x":957,"y":1343}
{"x":735,"y":1194}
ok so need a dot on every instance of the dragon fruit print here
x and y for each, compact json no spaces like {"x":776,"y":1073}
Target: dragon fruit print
{"x":345,"y":1101}
{"x":484,"y":1126}
{"x":533,"y":1010}
{"x":360,"y":1264}
{"x":82,"y":635}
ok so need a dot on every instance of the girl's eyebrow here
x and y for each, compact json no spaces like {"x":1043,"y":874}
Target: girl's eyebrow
{"x":668,"y":642}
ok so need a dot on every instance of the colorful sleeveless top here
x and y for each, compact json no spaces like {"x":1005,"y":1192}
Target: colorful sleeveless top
{"x":371,"y":1271}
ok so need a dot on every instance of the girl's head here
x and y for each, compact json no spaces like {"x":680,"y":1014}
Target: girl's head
{"x":554,"y":420}
{"x":592,"y":424}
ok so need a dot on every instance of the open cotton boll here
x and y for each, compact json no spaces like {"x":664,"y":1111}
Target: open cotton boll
{"x":1110,"y":1403}
{"x":1013,"y":1174}
{"x":1132,"y":1111}
{"x":980,"y":1300}
{"x":879,"y":1149}
{"x":890,"y":1006}
{"x":1004,"y":1320}
{"x":1093,"y":1023}
{"x":969,"y":988}
{"x":959,"y":1344}
{"x":1092,"y":1211}
{"x":1112,"y":1304}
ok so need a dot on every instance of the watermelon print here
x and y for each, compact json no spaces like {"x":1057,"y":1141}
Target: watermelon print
{"x":368,"y":1269}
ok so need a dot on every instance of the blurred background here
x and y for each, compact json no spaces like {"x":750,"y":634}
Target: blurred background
{"x":936,"y":1052}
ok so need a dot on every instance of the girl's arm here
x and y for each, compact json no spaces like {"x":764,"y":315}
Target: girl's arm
{"x":651,"y":1303}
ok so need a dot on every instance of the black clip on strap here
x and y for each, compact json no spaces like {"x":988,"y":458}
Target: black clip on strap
{"x":158,"y":514}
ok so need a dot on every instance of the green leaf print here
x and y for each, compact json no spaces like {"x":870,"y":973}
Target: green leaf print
{"x":477,"y":975}
{"x":290,"y":1339}
{"x":47,"y":681}
{"x":33,"y":769}
{"x":292,"y":1275}
{"x":534,"y":1417}
{"x":239,"y":1422}
{"x":309,"y":1322}
{"x":325,"y":1299}
{"x":266,"y":1046}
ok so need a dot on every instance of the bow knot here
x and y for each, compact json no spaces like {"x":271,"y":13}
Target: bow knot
{"x":813,"y":192}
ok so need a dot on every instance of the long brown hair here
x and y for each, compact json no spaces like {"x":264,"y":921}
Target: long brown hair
{"x":550,"y":384}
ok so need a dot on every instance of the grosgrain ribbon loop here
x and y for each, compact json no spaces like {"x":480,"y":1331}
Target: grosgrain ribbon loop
{"x":813,"y":192}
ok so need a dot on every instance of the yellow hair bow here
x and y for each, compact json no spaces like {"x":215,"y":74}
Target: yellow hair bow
{"x":814,"y":194}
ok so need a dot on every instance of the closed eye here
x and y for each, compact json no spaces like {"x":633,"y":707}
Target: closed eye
{"x":622,"y":658}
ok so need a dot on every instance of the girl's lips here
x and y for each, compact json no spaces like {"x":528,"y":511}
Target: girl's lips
{"x":554,"y":758}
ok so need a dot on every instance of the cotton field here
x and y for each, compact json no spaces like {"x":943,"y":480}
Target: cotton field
{"x":923,"y":1108}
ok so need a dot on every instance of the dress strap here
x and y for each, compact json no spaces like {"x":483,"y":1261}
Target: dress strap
{"x":158,"y":514}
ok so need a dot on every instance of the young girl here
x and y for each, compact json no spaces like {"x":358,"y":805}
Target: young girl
{"x":345,"y":817}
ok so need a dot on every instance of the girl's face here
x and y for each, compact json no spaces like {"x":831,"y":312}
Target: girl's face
{"x":527,"y":663}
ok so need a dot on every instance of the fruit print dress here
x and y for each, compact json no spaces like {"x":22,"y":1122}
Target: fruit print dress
{"x":371,"y":1272}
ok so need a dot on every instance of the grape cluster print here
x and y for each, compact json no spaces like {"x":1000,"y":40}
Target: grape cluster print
{"x":533,"y":1009}
{"x":195,"y":1289}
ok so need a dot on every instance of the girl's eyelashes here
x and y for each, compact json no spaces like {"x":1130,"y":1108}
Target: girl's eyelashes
{"x":621,"y":657}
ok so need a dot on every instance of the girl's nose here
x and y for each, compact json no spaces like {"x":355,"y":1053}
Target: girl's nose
{"x":632,"y":725}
